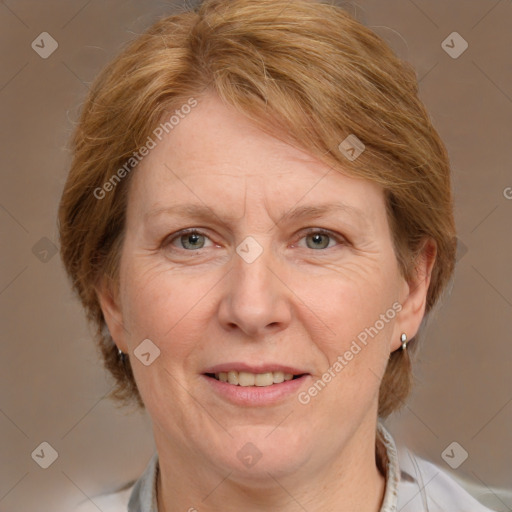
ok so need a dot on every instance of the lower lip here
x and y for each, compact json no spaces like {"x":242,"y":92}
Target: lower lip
{"x":256,"y":395}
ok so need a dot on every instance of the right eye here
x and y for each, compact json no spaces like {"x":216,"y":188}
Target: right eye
{"x":188,"y":240}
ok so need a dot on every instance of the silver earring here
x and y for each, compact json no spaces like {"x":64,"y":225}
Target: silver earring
{"x":403,"y":339}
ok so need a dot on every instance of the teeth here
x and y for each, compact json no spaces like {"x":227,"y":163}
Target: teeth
{"x":278,"y":377}
{"x":246,"y":379}
{"x":264,"y":379}
{"x":233,"y":378}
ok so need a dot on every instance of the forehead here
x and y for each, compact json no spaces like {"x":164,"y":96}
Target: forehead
{"x":215,"y":154}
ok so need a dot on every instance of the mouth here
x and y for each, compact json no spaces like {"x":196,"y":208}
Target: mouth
{"x":248,"y":379}
{"x":255,"y":385}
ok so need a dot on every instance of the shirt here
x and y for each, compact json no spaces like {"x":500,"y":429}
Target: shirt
{"x":412,"y":485}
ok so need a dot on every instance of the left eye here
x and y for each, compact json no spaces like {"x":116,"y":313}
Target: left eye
{"x":319,"y":240}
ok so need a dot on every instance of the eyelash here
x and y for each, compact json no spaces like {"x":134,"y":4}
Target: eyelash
{"x":309,"y":231}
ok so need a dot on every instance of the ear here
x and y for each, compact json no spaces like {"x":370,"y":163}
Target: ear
{"x":413,"y":295}
{"x":108,"y":297}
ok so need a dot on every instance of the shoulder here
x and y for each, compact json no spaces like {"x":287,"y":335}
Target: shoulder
{"x":427,"y":487}
{"x":136,"y":496}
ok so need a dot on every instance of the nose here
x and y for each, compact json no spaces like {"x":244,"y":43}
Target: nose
{"x":255,"y":299}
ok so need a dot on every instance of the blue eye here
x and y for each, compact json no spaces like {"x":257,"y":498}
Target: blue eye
{"x":195,"y":240}
{"x":319,"y":239}
{"x":190,"y":240}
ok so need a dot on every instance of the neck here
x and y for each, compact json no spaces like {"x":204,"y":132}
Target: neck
{"x":184,"y":485}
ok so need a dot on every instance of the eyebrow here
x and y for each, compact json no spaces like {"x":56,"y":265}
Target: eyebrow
{"x":203,"y":212}
{"x":316,"y":211}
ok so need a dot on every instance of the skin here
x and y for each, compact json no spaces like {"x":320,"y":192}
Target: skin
{"x":296,"y":304}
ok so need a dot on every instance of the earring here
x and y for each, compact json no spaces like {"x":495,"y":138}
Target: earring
{"x":403,"y":339}
{"x":121,"y":355}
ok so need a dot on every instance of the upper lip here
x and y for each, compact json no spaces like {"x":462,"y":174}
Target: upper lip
{"x":256,"y":369}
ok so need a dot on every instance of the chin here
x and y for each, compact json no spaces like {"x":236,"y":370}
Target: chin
{"x":256,"y":455}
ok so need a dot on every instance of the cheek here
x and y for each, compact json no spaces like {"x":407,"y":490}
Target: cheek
{"x":348,"y":301}
{"x":164,"y":306}
{"x":168,"y":309}
{"x":356,"y":310}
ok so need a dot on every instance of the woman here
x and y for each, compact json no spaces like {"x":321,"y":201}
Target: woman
{"x":257,"y":219}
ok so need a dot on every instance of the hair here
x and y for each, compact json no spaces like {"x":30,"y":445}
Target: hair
{"x":306,"y":72}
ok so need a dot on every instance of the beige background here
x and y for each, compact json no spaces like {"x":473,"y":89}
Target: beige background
{"x":52,"y":385}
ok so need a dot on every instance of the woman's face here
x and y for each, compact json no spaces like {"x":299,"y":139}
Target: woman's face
{"x":286,"y":267}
